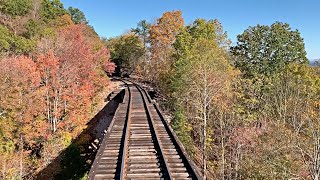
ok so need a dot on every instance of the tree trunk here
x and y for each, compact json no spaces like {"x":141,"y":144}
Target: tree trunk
{"x":48,"y":103}
{"x":55,"y":109}
{"x":204,"y":146}
{"x":205,"y":94}
{"x":222,"y":146}
{"x":21,"y":156}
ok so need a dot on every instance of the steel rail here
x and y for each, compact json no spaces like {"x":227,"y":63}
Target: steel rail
{"x":127,"y":133}
{"x":154,"y":132}
{"x":158,"y":127}
{"x":180,"y":148}
{"x":191,"y":166}
{"x":103,"y":144}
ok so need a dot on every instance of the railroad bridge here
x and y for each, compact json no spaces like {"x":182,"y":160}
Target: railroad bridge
{"x":140,"y":144}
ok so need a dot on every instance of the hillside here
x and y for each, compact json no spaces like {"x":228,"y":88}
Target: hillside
{"x":314,"y":62}
{"x":53,"y":67}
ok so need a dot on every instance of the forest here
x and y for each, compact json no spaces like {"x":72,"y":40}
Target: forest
{"x":243,"y":110}
{"x":53,"y":66}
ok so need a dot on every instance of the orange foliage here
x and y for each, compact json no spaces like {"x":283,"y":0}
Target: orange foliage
{"x":19,"y":88}
{"x":51,"y":91}
{"x":162,"y":36}
{"x":70,"y":72}
{"x":164,"y":32}
{"x":56,"y":89}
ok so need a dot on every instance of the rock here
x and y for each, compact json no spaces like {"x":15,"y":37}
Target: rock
{"x":89,"y":161}
{"x":94,"y":146}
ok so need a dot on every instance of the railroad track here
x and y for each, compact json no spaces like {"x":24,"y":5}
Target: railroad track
{"x":139,"y":144}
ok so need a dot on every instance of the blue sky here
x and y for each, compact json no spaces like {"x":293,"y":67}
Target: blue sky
{"x":114,"y":17}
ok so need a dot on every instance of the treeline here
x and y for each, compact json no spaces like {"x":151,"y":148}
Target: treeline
{"x":53,"y":66}
{"x":248,"y":111}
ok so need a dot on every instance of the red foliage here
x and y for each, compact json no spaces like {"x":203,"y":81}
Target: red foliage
{"x":70,"y":72}
{"x":110,"y":67}
{"x":247,"y":136}
{"x":52,"y":91}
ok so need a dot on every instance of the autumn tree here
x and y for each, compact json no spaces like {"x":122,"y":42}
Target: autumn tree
{"x":126,"y":51}
{"x":52,"y":74}
{"x":162,"y":36}
{"x":74,"y":73}
{"x":263,"y":54}
{"x":296,"y":104}
{"x":202,"y":71}
{"x":287,"y":147}
{"x":20,"y":108}
{"x":279,"y":90}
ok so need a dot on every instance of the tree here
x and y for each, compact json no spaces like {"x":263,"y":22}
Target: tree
{"x":52,"y":74}
{"x":201,"y":29}
{"x":164,"y":32}
{"x":162,"y":36}
{"x":291,"y":113}
{"x":267,"y":50}
{"x":19,"y":80}
{"x":264,"y":54}
{"x":68,"y":67}
{"x":142,"y":30}
{"x":48,"y":67}
{"x":280,"y":91}
{"x":32,"y":29}
{"x":126,"y":51}
{"x":77,"y":15}
{"x":51,"y":9}
{"x":296,"y":101}
{"x":15,"y":7}
{"x":208,"y":80}
{"x":201,"y":70}
{"x":11,"y":43}
{"x":61,"y":22}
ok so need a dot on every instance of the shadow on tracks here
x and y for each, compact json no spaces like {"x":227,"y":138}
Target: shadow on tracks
{"x":75,"y":161}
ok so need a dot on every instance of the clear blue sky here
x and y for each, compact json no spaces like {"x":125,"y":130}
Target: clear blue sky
{"x":114,"y":17}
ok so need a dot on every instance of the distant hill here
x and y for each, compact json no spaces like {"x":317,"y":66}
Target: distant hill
{"x":313,"y":62}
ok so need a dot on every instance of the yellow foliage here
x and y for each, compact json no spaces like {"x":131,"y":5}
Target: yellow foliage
{"x":66,"y":138}
{"x":64,"y":21}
